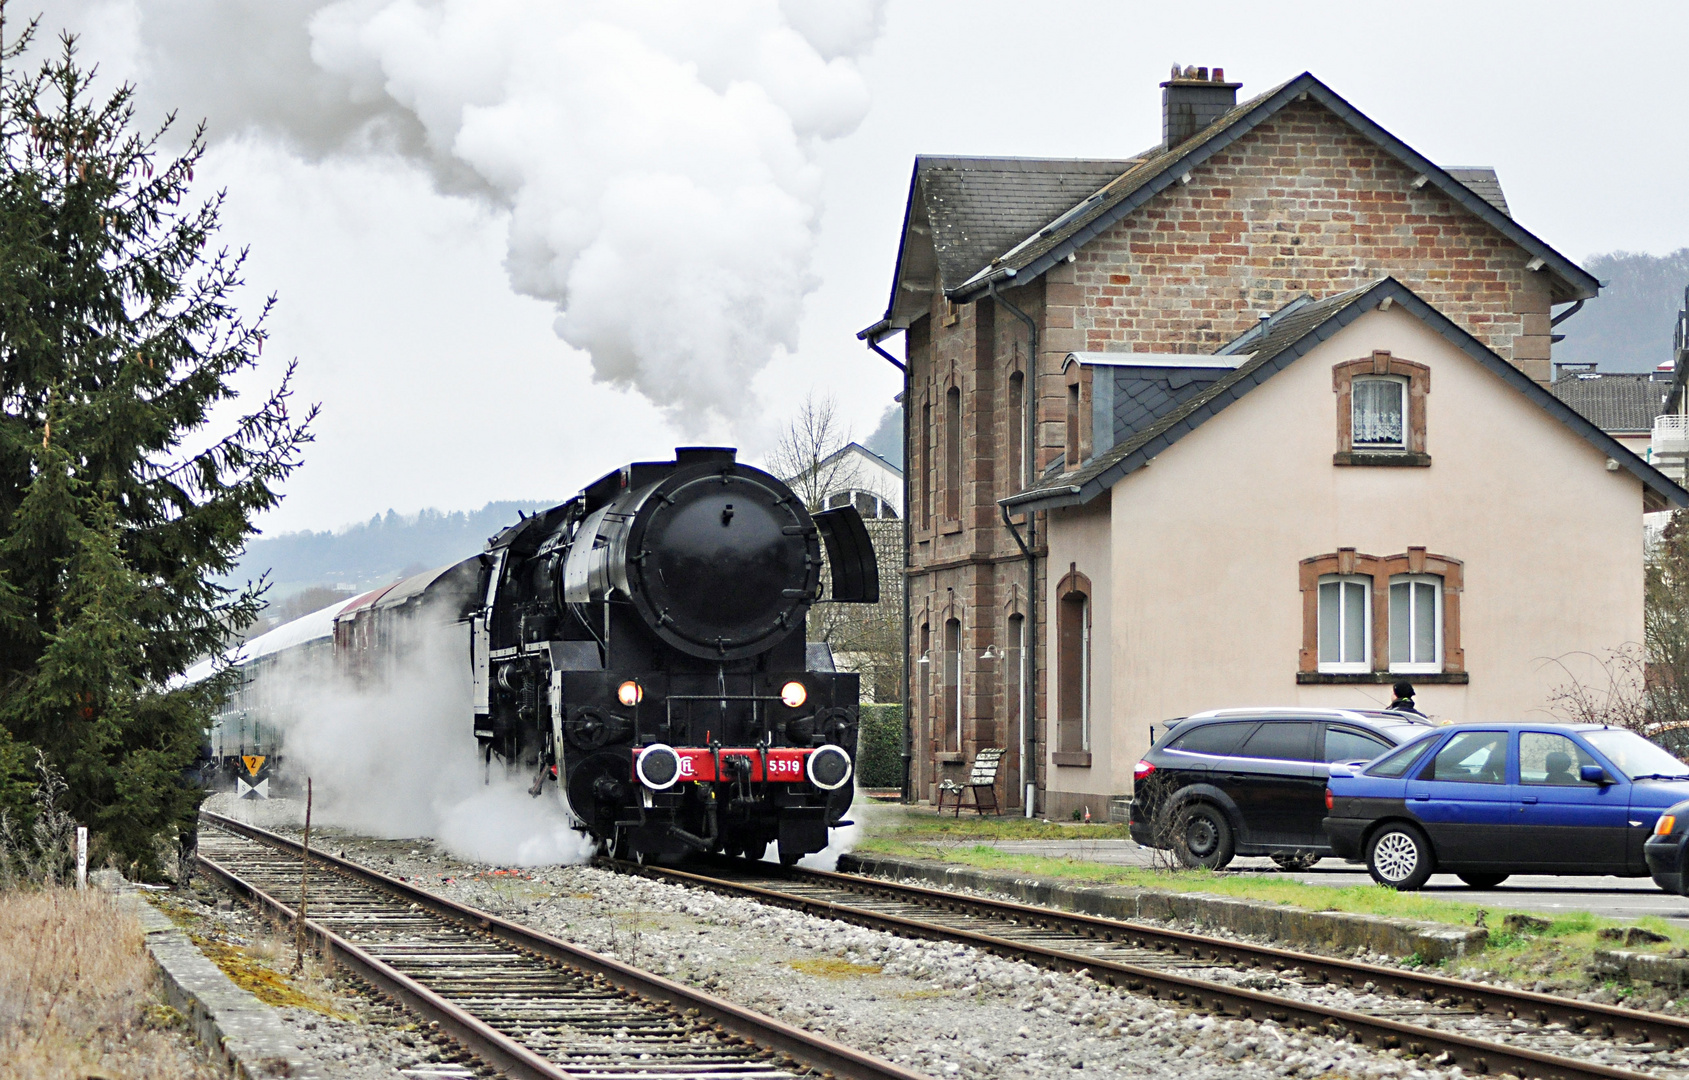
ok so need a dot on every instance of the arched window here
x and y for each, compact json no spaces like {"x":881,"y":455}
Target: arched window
{"x":953,"y":454}
{"x":1016,"y":470}
{"x":1073,"y":664}
{"x":952,"y":715}
{"x":1014,"y":685}
{"x":925,"y":463}
{"x":1381,"y":411}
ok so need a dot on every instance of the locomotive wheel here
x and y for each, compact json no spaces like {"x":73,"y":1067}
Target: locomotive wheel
{"x":790,"y":858}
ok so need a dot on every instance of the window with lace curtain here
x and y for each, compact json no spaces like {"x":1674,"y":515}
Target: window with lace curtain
{"x":1381,"y":411}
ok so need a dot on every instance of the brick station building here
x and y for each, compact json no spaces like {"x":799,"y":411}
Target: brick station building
{"x":1011,"y":270}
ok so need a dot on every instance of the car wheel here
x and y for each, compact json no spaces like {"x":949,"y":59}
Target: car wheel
{"x":1203,"y":837}
{"x":1399,"y":856}
{"x":1666,"y":884}
{"x":1482,"y":881}
{"x":1298,"y":860}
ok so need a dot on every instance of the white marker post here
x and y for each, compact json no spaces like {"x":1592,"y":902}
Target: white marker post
{"x":81,"y":856}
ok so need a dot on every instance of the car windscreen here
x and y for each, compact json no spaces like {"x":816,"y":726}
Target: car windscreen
{"x":1400,"y":761}
{"x":1212,"y":738}
{"x":1634,"y":755}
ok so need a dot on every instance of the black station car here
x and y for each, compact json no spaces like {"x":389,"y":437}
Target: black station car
{"x":1252,"y":781}
{"x":1667,"y":850}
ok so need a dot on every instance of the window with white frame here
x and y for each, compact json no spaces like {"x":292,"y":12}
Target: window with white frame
{"x":1416,"y":623}
{"x":1380,"y":412}
{"x":1345,"y":623}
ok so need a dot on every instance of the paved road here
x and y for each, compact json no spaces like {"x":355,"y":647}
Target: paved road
{"x":1610,"y":896}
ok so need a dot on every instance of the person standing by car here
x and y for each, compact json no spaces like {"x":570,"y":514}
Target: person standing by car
{"x":1404,"y":699}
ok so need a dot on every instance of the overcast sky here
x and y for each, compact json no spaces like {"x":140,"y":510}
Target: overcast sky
{"x":446,"y":196}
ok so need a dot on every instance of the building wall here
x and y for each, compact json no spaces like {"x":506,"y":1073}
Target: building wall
{"x":1081,"y":542}
{"x":1206,"y":542}
{"x":1301,"y":205}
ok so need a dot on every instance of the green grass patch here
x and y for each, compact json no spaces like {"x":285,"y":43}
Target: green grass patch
{"x":1558,"y":956}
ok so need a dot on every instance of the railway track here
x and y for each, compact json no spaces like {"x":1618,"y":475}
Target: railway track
{"x":1482,"y":1028}
{"x":522,"y":1003}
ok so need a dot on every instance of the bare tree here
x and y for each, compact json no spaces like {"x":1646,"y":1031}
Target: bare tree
{"x":807,"y":456}
{"x":1643,"y":687}
{"x":867,"y":639}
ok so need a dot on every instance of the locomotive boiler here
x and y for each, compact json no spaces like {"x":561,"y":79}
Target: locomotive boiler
{"x":643,"y":647}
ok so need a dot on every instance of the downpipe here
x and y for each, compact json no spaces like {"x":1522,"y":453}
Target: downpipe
{"x":1029,"y":415}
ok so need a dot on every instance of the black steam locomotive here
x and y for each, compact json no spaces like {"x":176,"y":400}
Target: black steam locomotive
{"x":643,"y":646}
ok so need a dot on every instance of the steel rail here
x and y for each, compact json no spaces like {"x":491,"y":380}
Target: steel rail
{"x":1580,"y":1016}
{"x":820,"y":1054}
{"x":1472,"y":1054}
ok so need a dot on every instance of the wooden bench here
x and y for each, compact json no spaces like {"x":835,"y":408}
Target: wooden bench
{"x":982,"y":781}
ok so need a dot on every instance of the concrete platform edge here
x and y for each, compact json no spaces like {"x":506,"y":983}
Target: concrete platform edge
{"x":243,"y":1032}
{"x":1291,"y":926}
{"x":1662,"y":971}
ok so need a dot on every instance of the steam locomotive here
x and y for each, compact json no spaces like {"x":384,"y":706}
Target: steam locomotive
{"x":642,"y":646}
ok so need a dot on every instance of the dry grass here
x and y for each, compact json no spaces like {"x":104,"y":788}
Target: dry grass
{"x":832,"y":967}
{"x":79,"y":996}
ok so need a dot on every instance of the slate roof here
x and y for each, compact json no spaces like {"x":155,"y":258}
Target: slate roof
{"x":1482,"y":181}
{"x":1290,"y":336}
{"x":1614,"y":401}
{"x":978,"y":207}
{"x":1050,"y":245}
{"x":1128,"y":399}
{"x":994,"y":219}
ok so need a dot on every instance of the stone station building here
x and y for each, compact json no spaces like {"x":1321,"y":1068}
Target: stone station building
{"x":1017,"y":281}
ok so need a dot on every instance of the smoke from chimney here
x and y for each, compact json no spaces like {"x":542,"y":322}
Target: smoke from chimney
{"x":657,"y":160}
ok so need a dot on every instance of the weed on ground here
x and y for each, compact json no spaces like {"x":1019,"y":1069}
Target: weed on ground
{"x":79,"y":996}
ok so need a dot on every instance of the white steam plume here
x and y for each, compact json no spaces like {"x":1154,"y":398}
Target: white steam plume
{"x":657,"y":158}
{"x":397,"y":757}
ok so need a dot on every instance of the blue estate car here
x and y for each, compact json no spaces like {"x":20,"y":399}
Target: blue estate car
{"x":1483,"y":801}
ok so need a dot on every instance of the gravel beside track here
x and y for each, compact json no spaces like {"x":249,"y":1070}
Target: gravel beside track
{"x":939,"y":1008}
{"x":530,"y":1005}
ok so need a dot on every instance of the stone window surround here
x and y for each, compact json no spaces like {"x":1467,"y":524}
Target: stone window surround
{"x":1418,"y":378}
{"x":1073,"y":583}
{"x":1415,"y":560}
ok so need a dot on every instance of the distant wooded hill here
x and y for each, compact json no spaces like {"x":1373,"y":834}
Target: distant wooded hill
{"x":1628,"y":327}
{"x":361,"y":557}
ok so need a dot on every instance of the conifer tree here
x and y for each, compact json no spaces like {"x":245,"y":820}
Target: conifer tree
{"x":119,"y":505}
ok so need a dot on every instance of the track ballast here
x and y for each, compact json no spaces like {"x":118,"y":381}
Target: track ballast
{"x":1442,"y":1021}
{"x":521,"y":1002}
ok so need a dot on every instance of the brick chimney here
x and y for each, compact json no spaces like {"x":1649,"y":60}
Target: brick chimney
{"x":1192,"y":99}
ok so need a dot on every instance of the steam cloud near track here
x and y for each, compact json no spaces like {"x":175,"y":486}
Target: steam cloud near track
{"x":401,"y":761}
{"x":657,"y":158}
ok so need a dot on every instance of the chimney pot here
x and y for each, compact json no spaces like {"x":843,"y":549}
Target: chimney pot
{"x":1192,"y":100}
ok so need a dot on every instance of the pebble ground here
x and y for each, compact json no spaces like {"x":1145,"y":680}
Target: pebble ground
{"x":942,"y":1009}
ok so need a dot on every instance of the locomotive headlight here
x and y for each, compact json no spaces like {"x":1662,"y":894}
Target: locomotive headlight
{"x":658,"y":767}
{"x":629,"y":693}
{"x":793,"y":695}
{"x":828,"y":768}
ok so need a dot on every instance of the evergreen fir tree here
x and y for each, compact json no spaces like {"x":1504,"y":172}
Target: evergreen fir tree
{"x":119,"y":336}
